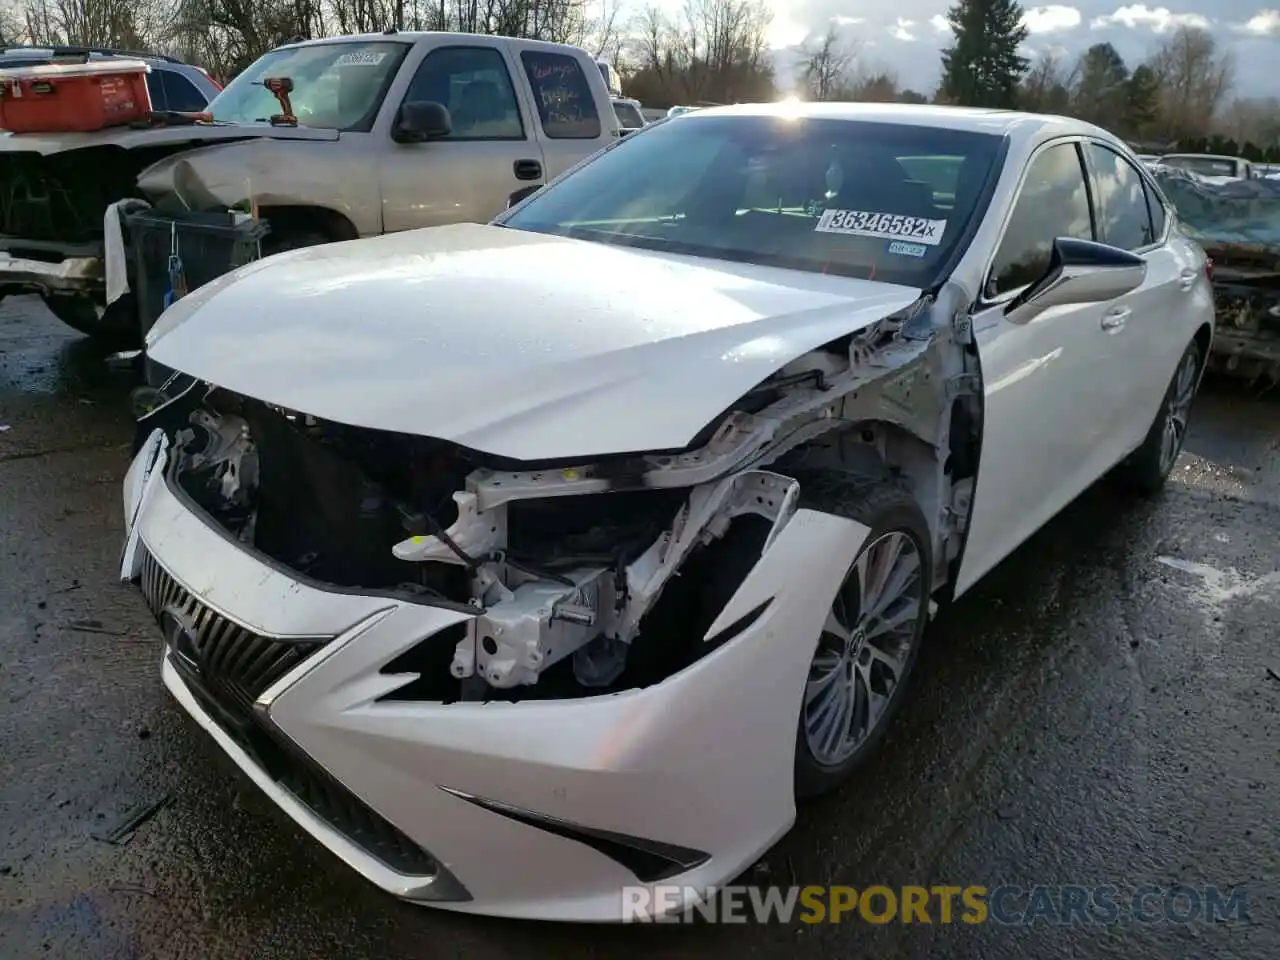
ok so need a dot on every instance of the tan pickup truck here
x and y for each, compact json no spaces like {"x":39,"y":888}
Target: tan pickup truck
{"x":391,"y":132}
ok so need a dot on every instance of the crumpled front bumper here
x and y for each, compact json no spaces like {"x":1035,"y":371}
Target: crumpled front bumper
{"x":542,"y":809}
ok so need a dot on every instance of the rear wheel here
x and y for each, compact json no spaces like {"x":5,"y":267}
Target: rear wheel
{"x":1147,"y":469}
{"x":872,"y":635}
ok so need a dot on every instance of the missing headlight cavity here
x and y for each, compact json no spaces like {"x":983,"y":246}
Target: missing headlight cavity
{"x":584,"y":577}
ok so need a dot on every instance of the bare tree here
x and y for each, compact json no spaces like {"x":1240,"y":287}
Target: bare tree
{"x":1045,"y":88}
{"x":713,"y":52}
{"x":10,"y":23}
{"x":1253,"y":120}
{"x":827,"y":65}
{"x":874,"y":86}
{"x":1194,"y":79}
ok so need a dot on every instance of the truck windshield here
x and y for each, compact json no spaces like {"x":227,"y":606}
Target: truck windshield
{"x":879,"y":201}
{"x":336,"y":86}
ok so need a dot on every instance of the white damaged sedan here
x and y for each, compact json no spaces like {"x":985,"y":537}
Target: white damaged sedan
{"x":525,"y":563}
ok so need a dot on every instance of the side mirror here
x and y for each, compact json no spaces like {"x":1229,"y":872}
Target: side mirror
{"x":1080,"y":271}
{"x":522,"y":193}
{"x":422,"y":120}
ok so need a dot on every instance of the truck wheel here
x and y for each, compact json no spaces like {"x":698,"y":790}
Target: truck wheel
{"x":873,"y":634}
{"x":117,"y":327}
{"x":292,"y":240}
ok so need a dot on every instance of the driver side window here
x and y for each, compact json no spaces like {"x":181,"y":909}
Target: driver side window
{"x":473,"y":84}
{"x":1053,"y":202}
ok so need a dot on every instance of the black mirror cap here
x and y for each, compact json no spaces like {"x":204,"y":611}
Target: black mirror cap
{"x":422,"y":120}
{"x":1071,"y":252}
{"x":522,"y":193}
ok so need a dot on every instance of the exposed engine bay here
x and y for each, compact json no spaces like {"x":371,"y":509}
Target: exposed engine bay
{"x":590,"y":575}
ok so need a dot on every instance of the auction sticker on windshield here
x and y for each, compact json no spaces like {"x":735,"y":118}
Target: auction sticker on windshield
{"x":884,"y":226}
{"x":360,"y":58}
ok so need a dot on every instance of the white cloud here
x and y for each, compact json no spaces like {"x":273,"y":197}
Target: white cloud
{"x":1158,"y":19}
{"x":1264,"y":23}
{"x":842,"y":21}
{"x":902,"y":30}
{"x":940,"y":23}
{"x":1051,"y":19}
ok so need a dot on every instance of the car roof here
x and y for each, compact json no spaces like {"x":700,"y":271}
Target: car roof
{"x":1203,"y":156}
{"x":413,"y":36}
{"x":1015,"y":124}
{"x":95,"y":53}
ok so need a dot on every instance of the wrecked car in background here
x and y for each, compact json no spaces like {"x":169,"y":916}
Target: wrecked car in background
{"x":375,"y":134}
{"x":574,"y":547}
{"x":1237,"y":222}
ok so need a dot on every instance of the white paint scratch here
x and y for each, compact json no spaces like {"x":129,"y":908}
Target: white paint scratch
{"x":1216,"y":589}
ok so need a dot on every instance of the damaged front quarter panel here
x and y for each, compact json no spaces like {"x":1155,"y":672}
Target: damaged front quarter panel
{"x":570,"y":569}
{"x":314,"y":173}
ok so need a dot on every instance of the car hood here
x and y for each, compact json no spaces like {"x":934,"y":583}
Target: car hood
{"x":128,"y":138}
{"x":521,"y":345}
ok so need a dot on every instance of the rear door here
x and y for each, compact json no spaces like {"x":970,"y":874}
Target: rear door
{"x":567,"y":99}
{"x":1140,"y":322}
{"x":491,"y":152}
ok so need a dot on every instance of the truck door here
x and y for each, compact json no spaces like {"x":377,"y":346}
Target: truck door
{"x":568,"y":101}
{"x":490,"y":153}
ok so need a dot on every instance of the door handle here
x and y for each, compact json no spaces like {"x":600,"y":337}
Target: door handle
{"x":1187,"y":278}
{"x":527,"y":170}
{"x":1113,"y":321}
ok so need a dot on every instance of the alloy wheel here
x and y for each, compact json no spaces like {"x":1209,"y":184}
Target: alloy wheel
{"x":864,"y":649}
{"x":1181,"y":392}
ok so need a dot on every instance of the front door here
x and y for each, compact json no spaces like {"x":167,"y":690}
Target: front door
{"x":1047,"y":402}
{"x":490,"y":153}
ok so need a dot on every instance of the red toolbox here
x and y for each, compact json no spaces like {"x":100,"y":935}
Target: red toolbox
{"x":73,"y":97}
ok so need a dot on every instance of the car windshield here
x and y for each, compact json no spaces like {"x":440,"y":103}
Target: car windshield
{"x":628,"y":115}
{"x":1205,"y":166}
{"x":337,"y":86}
{"x":873,"y":200}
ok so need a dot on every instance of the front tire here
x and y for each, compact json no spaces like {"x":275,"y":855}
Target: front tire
{"x":1148,"y":467}
{"x":873,"y":633}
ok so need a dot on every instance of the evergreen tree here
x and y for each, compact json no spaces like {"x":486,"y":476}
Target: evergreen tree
{"x":1142,"y":100}
{"x":1101,"y":95}
{"x":982,"y":67}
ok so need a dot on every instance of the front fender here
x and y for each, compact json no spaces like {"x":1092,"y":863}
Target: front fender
{"x":268,"y":172}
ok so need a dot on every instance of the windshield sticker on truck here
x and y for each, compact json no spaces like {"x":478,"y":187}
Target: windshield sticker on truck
{"x":907,"y":249}
{"x":884,"y":226}
{"x":360,"y":59}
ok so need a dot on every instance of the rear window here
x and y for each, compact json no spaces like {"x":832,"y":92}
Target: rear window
{"x":875,"y":200}
{"x":560,"y":89}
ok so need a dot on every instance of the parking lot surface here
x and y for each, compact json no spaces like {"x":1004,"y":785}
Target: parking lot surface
{"x":1105,"y":709}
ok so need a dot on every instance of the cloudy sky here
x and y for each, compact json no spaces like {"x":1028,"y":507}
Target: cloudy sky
{"x":906,"y":35}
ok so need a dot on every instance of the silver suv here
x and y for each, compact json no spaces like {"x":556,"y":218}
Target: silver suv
{"x":173,"y":85}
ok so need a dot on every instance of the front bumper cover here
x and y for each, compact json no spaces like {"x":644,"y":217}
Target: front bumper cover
{"x":523,"y":807}
{"x":80,"y":276}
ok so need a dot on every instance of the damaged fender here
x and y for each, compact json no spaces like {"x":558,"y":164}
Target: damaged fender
{"x":321,"y":172}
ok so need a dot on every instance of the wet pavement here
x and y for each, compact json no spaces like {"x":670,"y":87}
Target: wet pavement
{"x":1104,"y":709}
